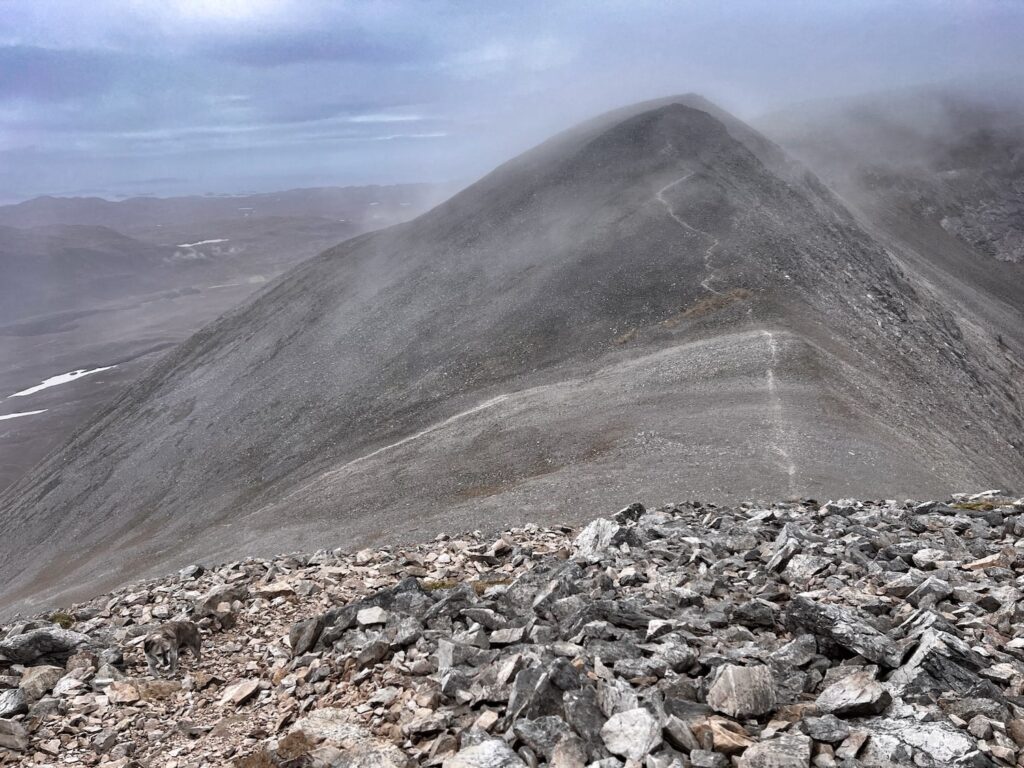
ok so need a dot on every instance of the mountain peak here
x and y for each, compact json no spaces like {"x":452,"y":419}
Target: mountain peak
{"x":599,"y":318}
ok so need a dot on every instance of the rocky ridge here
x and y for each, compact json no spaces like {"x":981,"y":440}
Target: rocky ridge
{"x":850,"y":633}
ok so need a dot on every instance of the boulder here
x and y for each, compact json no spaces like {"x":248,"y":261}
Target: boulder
{"x":855,"y":695}
{"x":792,"y":750}
{"x":13,"y":736}
{"x":51,"y":642}
{"x":492,"y":753}
{"x":743,"y":692}
{"x":36,"y":682}
{"x":843,"y":627}
{"x":632,"y":734}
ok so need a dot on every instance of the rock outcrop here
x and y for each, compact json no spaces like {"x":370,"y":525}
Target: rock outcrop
{"x":787,"y":635}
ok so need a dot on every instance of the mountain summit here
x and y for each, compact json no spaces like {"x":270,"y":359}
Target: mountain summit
{"x":656,"y":303}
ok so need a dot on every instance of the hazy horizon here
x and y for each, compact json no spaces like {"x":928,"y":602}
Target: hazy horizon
{"x":185,"y":97}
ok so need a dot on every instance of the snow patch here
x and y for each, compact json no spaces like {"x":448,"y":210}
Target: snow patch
{"x":23,"y":413}
{"x":204,"y":242}
{"x":63,"y":378}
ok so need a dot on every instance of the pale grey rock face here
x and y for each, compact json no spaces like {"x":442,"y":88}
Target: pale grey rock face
{"x":13,"y":702}
{"x":593,"y":540}
{"x":13,"y":736}
{"x":38,"y":681}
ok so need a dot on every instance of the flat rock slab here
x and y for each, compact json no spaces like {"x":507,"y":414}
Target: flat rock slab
{"x":240,"y":692}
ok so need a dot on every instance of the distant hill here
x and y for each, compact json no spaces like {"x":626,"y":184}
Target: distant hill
{"x":656,"y":303}
{"x":69,"y":267}
{"x":359,"y":205}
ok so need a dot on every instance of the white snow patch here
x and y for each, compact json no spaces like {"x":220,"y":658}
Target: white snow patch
{"x":204,"y":242}
{"x":64,"y":378}
{"x":23,"y":413}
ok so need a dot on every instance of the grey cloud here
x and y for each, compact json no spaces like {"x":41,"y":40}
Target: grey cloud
{"x":40,"y":74}
{"x":342,"y":45}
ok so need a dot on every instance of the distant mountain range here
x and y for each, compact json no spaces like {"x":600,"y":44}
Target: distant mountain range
{"x":88,"y":283}
{"x":357,"y":205}
{"x":658,"y":303}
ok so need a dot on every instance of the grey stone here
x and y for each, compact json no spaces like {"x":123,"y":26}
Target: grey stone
{"x":704,"y":758}
{"x":543,"y":734}
{"x":827,"y":728}
{"x":13,"y":735}
{"x":855,"y":695}
{"x":743,"y":692}
{"x":592,"y":542}
{"x":304,"y":634}
{"x":791,"y":750}
{"x":492,"y":753}
{"x":50,"y":641}
{"x":631,"y":734}
{"x":36,"y":682}
{"x":12,"y":702}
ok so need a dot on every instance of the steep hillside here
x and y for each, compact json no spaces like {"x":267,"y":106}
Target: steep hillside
{"x":658,"y":300}
{"x":938,"y":177}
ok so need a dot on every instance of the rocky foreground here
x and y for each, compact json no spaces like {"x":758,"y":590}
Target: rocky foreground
{"x":845,"y":634}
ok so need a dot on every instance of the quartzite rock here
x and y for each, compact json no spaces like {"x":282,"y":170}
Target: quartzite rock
{"x":492,"y":753}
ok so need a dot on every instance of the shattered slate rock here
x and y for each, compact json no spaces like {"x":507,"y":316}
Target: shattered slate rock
{"x":827,"y":729}
{"x":13,"y":702}
{"x":38,"y":681}
{"x":844,"y":628}
{"x":238,"y":693}
{"x":793,"y":633}
{"x":595,"y":539}
{"x":335,"y":728}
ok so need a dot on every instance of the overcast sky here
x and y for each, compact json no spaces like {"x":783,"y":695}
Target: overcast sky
{"x":118,"y":97}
